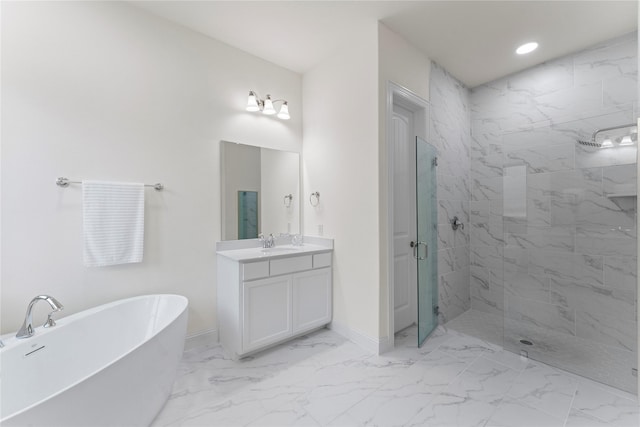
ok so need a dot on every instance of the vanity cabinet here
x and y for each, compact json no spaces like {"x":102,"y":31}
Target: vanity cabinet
{"x":264,"y":302}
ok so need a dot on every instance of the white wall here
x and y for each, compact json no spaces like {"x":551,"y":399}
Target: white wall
{"x":340,"y":160}
{"x":403,"y":64}
{"x":104,"y":91}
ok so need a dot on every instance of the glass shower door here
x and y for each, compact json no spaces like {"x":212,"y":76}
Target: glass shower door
{"x":426,"y":250}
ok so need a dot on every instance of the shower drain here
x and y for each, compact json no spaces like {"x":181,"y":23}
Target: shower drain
{"x":526,"y":342}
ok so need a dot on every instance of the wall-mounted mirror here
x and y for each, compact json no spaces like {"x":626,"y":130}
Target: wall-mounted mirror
{"x":260,"y":191}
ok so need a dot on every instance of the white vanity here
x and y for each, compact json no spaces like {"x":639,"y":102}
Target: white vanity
{"x":266,"y":296}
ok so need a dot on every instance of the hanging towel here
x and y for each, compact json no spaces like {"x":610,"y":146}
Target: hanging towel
{"x":113,"y":222}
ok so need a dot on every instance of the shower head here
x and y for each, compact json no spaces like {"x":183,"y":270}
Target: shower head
{"x":592,"y":142}
{"x":589,"y":143}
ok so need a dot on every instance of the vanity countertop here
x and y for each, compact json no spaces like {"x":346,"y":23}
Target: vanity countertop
{"x":252,"y":254}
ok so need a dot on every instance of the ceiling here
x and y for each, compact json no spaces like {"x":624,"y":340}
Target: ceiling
{"x":473,"y":40}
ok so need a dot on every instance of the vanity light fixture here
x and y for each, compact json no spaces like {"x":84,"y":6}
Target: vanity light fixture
{"x":527,"y":48}
{"x":255,"y":104}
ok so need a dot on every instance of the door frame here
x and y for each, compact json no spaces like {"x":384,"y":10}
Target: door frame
{"x":407,"y":99}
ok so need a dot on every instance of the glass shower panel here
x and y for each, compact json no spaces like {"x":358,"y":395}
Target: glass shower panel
{"x":569,"y":265}
{"x":426,"y":250}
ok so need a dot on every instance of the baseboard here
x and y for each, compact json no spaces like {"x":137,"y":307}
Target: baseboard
{"x":385,"y":344}
{"x":368,"y":343}
{"x":201,"y":338}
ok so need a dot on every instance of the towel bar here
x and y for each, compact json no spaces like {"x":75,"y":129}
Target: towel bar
{"x":64,"y":182}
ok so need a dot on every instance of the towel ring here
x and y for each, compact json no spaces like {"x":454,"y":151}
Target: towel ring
{"x":288,"y":197}
{"x":316,"y":196}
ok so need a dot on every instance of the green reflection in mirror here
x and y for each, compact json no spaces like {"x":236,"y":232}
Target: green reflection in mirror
{"x":247,"y":214}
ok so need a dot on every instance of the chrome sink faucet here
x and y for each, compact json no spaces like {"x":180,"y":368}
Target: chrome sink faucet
{"x":27,"y":326}
{"x":267,"y":242}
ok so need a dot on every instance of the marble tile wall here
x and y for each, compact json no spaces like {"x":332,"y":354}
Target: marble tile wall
{"x":562,"y":271}
{"x":450,"y":134}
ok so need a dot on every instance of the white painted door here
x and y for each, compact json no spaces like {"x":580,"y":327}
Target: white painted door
{"x":267,"y":311}
{"x":311,"y":299}
{"x":404,"y":219}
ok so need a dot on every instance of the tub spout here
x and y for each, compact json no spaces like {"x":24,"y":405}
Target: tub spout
{"x":27,"y":327}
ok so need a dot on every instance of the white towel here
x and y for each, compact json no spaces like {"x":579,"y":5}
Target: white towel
{"x":113,"y":222}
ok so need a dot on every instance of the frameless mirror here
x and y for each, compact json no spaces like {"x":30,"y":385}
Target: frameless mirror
{"x":260,"y":191}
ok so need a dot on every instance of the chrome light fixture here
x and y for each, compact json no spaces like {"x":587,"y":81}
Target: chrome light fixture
{"x":255,"y":104}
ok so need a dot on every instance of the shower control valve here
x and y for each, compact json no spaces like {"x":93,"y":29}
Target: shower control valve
{"x":455,"y":223}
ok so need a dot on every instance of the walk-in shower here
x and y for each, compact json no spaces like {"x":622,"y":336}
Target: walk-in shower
{"x":553,"y":222}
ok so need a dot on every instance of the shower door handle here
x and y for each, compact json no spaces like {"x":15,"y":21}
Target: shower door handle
{"x":416,"y":250}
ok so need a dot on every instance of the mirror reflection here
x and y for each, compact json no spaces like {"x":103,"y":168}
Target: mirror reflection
{"x":260,"y":191}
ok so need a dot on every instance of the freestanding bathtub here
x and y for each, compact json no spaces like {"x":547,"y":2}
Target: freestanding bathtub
{"x":112,"y":365}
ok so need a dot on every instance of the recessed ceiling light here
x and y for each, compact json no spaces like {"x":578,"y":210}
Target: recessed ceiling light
{"x":527,"y":48}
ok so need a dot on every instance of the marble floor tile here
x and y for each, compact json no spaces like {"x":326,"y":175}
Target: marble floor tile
{"x":323,"y":379}
{"x":580,"y":419}
{"x":485,"y":326}
{"x":512,"y":412}
{"x":599,"y":403}
{"x":402,"y":397}
{"x":453,"y":410}
{"x":290,"y":414}
{"x":484,"y":380}
{"x":545,"y":389}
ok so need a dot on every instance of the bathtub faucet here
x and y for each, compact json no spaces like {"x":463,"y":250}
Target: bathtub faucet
{"x":27,"y":327}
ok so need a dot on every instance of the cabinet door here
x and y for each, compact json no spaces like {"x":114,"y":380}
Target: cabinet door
{"x":266,"y":316}
{"x":311,"y":299}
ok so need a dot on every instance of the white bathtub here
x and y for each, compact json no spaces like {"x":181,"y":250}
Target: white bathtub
{"x":112,"y":365}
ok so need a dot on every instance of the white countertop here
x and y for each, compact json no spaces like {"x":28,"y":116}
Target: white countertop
{"x":256,"y":254}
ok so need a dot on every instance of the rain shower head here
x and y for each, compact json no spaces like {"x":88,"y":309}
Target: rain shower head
{"x":589,"y":143}
{"x":592,"y":142}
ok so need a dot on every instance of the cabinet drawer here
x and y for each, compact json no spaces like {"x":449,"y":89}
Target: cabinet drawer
{"x":290,"y":265}
{"x":322,"y":260}
{"x":255,"y":270}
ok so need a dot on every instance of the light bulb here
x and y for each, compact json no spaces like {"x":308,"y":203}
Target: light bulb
{"x":607,"y":143}
{"x":527,"y":48}
{"x":252,"y":102}
{"x":268,"y":106}
{"x":626,"y":140}
{"x":284,"y":111}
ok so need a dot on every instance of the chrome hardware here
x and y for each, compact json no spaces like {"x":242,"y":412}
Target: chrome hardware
{"x":416,"y":250}
{"x":64,"y":182}
{"x":315,"y":195}
{"x":455,"y":223}
{"x":435,"y":161}
{"x":1,"y":344}
{"x":27,"y":326}
{"x":50,"y":322}
{"x":289,"y":198}
{"x":267,"y":242}
{"x":426,"y":250}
